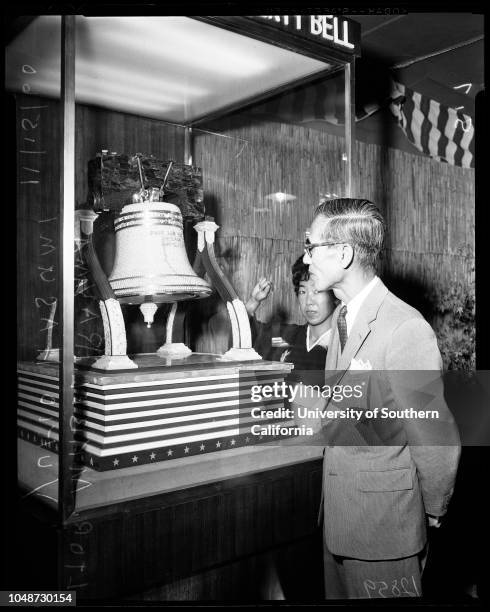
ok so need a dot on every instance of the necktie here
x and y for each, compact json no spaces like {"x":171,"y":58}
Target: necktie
{"x":342,"y":327}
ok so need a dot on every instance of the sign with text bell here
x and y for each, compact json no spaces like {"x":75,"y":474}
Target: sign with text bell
{"x":333,"y":31}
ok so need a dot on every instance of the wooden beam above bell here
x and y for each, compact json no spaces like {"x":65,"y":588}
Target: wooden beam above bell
{"x":113,"y":178}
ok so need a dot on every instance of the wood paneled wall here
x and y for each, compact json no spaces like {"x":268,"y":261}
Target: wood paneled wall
{"x":429,"y":208}
{"x":259,"y":236}
{"x":99,"y":129}
{"x":38,"y":194}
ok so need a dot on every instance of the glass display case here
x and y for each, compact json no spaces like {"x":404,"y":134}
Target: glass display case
{"x":138,"y":132}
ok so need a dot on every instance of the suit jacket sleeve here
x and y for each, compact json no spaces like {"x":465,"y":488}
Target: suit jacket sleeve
{"x":415,"y":377}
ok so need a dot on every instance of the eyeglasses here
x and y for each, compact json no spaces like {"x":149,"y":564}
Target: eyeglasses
{"x":309,"y":246}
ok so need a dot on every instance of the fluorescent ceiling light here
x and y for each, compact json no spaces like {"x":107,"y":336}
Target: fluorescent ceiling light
{"x":171,"y":68}
{"x":179,"y":42}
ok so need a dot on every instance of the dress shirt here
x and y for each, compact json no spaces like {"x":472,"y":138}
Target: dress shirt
{"x":323,"y":340}
{"x":355,"y":304}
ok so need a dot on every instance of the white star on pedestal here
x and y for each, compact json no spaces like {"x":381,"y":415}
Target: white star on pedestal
{"x":135,"y":458}
{"x":170,"y":452}
{"x":152,"y":456}
{"x":91,"y":461}
{"x":186,"y":449}
{"x":202,"y":447}
{"x":116,"y":462}
{"x":233,"y":442}
{"x":218,"y":444}
{"x":247,"y":439}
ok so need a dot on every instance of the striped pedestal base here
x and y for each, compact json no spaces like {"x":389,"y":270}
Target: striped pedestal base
{"x":123,"y":419}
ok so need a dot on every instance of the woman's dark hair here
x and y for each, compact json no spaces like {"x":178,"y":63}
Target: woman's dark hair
{"x":300,"y":272}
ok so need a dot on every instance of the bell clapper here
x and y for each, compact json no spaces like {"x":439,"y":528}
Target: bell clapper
{"x":148,"y":310}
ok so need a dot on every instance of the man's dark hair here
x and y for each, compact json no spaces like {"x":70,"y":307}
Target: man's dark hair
{"x":300,"y":272}
{"x":357,"y":222}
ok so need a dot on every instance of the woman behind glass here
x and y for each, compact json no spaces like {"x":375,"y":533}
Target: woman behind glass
{"x":303,"y":345}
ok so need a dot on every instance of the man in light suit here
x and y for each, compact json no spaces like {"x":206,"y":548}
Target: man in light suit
{"x":378,"y":498}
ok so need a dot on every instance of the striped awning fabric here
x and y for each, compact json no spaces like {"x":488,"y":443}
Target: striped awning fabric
{"x":446,"y":134}
{"x":443,"y":133}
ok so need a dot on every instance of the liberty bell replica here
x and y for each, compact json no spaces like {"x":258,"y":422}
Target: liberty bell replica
{"x":151,"y":267}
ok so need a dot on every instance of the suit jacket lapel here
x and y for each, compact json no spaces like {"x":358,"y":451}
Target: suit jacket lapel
{"x":356,"y":338}
{"x":359,"y":332}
